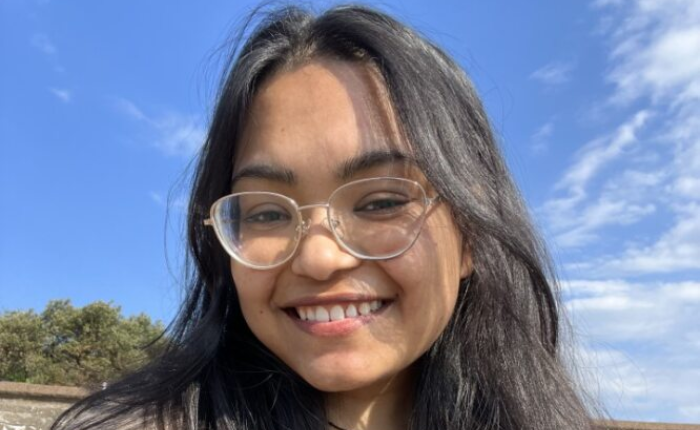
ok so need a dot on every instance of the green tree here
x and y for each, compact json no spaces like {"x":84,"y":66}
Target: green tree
{"x":66,"y":345}
{"x":21,"y":338}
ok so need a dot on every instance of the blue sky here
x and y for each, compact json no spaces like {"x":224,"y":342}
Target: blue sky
{"x":596,"y":104}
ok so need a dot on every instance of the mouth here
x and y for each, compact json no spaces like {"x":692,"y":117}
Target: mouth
{"x":338,"y":311}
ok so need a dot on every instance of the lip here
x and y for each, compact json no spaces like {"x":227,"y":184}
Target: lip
{"x":340,"y":328}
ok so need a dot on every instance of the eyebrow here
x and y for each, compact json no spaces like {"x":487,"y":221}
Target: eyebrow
{"x":372,"y":159}
{"x":347,"y":170}
{"x":265,"y":171}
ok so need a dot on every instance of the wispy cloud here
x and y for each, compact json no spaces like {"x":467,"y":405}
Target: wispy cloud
{"x":173,"y":133}
{"x":45,"y":45}
{"x":678,"y":249}
{"x":555,"y":73}
{"x":636,"y":295}
{"x":157,"y":198}
{"x":178,"y":202}
{"x":656,"y":317}
{"x":540,"y":138}
{"x":573,"y":215}
{"x":180,"y":135}
{"x":129,"y":109}
{"x":651,"y":160}
{"x":600,"y":152}
{"x":602,"y":213}
{"x":62,"y":94}
{"x":655,"y":50}
{"x":41,"y":42}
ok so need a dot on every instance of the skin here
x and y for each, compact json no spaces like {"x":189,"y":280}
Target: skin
{"x":310,"y":120}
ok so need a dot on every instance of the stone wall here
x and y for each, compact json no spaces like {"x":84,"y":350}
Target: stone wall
{"x":35,"y":407}
{"x":629,"y":425}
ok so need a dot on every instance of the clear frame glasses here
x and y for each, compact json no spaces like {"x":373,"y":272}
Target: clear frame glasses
{"x":372,"y":219}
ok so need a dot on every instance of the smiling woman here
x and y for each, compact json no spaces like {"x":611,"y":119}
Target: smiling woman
{"x":362,"y":259}
{"x":351,"y":311}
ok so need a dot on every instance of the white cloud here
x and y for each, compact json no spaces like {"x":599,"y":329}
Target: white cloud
{"x":41,"y":42}
{"x":652,"y":160}
{"x":178,"y":202}
{"x":574,"y":217}
{"x":173,"y":134}
{"x":678,"y":249}
{"x":636,"y":297}
{"x":540,"y":138}
{"x":655,"y":323}
{"x":581,"y":229}
{"x":640,"y":388}
{"x":655,"y":49}
{"x":129,"y":109}
{"x":179,"y":134}
{"x":544,"y":131}
{"x":157,"y":198}
{"x":555,"y":73}
{"x":596,"y":154}
{"x":620,"y":310}
{"x":684,"y":135}
{"x":62,"y":94}
{"x":687,"y":185}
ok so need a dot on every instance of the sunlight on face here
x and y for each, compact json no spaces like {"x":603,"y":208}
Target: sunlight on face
{"x":309,"y":122}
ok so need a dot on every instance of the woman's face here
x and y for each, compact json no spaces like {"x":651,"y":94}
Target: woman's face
{"x":308,"y":124}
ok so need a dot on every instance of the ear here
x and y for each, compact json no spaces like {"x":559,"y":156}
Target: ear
{"x":466,"y":268}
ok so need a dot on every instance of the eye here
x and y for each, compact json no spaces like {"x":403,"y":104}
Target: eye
{"x":381,"y":204}
{"x":267,"y":217}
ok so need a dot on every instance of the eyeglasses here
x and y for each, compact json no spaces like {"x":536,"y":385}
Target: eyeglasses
{"x":372,"y":219}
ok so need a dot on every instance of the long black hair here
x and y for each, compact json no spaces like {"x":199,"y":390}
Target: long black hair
{"x":496,"y":365}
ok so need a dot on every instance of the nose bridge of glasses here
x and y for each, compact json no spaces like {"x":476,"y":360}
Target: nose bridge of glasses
{"x":306,"y":221}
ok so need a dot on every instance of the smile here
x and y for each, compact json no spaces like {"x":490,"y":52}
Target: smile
{"x":336,"y":319}
{"x":337,"y":312}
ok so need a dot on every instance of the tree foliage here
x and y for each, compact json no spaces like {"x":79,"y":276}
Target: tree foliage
{"x":65,"y":345}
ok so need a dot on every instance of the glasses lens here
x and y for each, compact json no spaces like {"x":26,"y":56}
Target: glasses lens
{"x":378,"y":218}
{"x":257,"y":228}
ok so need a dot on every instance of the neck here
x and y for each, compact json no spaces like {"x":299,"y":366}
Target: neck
{"x":385,"y":406}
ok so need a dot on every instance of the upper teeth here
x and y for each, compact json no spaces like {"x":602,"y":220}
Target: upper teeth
{"x":337,"y":312}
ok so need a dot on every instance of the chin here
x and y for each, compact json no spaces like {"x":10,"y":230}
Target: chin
{"x":338,"y":378}
{"x":335,"y":382}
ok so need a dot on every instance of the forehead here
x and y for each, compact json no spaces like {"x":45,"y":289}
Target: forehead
{"x":318,"y":115}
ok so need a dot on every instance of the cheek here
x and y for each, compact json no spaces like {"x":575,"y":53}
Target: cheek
{"x":428,"y":274}
{"x":254,"y":288}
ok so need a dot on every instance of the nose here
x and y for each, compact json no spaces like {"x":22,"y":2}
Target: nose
{"x":319,"y":256}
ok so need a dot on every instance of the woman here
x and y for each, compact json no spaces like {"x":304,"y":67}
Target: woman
{"x":362,"y":259}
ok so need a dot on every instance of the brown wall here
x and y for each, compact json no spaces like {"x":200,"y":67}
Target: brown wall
{"x":629,"y":425}
{"x":34,"y":407}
